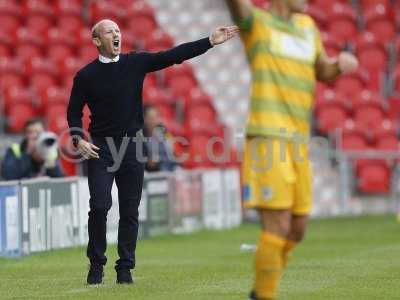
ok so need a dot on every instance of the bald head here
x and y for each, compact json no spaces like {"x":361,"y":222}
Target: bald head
{"x":107,"y":38}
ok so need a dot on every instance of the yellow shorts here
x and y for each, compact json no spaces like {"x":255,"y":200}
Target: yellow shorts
{"x":277,"y":175}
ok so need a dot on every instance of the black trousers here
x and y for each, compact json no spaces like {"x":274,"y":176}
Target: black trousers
{"x":129,"y":181}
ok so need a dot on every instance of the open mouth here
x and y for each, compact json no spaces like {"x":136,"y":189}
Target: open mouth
{"x":116,"y":43}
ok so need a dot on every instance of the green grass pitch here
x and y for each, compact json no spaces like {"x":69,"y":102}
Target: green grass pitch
{"x":340,"y":259}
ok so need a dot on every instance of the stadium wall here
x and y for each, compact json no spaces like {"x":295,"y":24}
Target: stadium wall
{"x":45,"y":214}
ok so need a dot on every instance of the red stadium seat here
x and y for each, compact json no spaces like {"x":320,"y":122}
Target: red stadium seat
{"x":166,"y":111}
{"x":40,"y":82}
{"x":10,"y":65}
{"x":70,"y":23}
{"x":198,"y":96}
{"x":56,"y":119}
{"x":331,"y":117}
{"x":380,"y":22}
{"x":87,"y":53}
{"x":199,"y":152}
{"x":8,"y":80}
{"x":29,"y":36}
{"x":39,"y":23}
{"x":70,"y":65}
{"x":374,"y":61}
{"x":327,"y":5}
{"x":374,"y":177}
{"x":333,"y":45}
{"x":17,"y":117}
{"x":366,"y":4}
{"x":353,"y":141}
{"x":318,"y":14}
{"x":38,"y":7}
{"x":17,"y":95}
{"x":68,"y":7}
{"x":57,"y":53}
{"x":369,"y":114}
{"x":141,"y":26}
{"x":342,"y":22}
{"x":202,"y":112}
{"x":5,"y":50}
{"x":158,"y":96}
{"x":181,"y":86}
{"x":28,"y":51}
{"x":61,"y":36}
{"x":10,"y":8}
{"x":350,"y":84}
{"x":330,"y":98}
{"x":178,"y":70}
{"x":9,"y":23}
{"x":158,"y":41}
{"x":104,"y":10}
{"x":41,"y":65}
{"x":54,"y":96}
{"x":150,"y":81}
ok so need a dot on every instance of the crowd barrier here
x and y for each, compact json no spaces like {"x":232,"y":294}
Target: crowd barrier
{"x":45,"y":214}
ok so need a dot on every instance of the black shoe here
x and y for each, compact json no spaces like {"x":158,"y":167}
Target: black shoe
{"x":124,"y":276}
{"x":95,"y":275}
{"x":253,"y":296}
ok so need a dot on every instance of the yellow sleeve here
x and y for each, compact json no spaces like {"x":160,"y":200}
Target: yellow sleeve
{"x":319,"y":46}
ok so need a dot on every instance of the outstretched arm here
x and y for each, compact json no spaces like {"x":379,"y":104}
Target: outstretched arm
{"x":161,"y":60}
{"x":328,"y":69}
{"x":240,"y":9}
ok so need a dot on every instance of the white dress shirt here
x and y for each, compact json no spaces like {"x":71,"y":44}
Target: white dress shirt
{"x":106,"y":60}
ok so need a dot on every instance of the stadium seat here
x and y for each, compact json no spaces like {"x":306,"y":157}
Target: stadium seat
{"x":54,"y":95}
{"x":10,"y":8}
{"x":40,"y":65}
{"x":70,"y":23}
{"x":25,"y":35}
{"x":10,"y":65}
{"x":319,"y":15}
{"x":150,"y":81}
{"x":38,"y":23}
{"x":374,"y":177}
{"x":166,"y":111}
{"x":342,"y":22}
{"x":330,"y":97}
{"x":331,"y":117}
{"x":350,"y":84}
{"x":197,"y":96}
{"x":56,"y":118}
{"x":158,"y":41}
{"x":17,"y":116}
{"x":369,"y":114}
{"x":59,"y":52}
{"x":366,"y":4}
{"x":68,"y":7}
{"x":181,"y":86}
{"x":156,"y":95}
{"x":5,"y":50}
{"x":380,"y":22}
{"x":37,"y":7}
{"x":39,"y":82}
{"x":9,"y":23}
{"x":203,"y":112}
{"x":70,"y":65}
{"x":28,"y":51}
{"x":17,"y":95}
{"x":87,"y":53}
{"x":10,"y":79}
{"x":333,"y":45}
{"x":61,"y":36}
{"x":103,"y":10}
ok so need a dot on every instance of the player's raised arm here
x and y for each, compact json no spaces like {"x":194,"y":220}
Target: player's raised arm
{"x":328,"y":69}
{"x":240,"y":9}
{"x":160,"y":60}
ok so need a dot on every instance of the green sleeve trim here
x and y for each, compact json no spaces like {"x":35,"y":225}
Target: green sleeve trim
{"x":16,"y":149}
{"x":247,"y":23}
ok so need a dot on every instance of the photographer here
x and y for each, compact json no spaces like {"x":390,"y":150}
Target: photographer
{"x":35,"y":156}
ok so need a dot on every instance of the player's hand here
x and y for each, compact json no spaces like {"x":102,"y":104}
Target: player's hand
{"x":222,"y":34}
{"x":347,"y":62}
{"x":87,"y":150}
